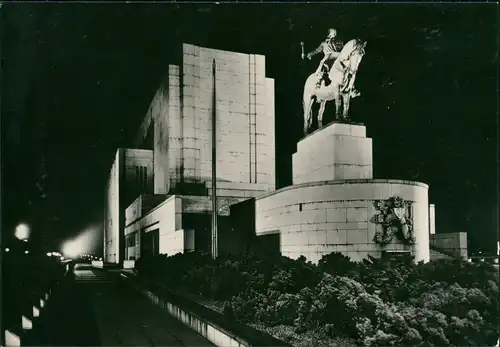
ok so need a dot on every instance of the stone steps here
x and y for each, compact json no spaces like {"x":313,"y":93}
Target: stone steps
{"x":435,"y":255}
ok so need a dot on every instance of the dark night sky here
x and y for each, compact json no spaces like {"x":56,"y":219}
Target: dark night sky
{"x":77,"y":80}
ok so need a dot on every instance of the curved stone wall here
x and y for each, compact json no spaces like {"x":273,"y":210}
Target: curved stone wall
{"x":318,"y":218}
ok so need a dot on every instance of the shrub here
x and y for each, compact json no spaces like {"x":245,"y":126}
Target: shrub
{"x":453,"y":300}
{"x":228,"y":311}
{"x":346,"y":307}
{"x":381,"y":339}
{"x":336,"y":264}
{"x":286,"y":308}
{"x":450,"y":271}
{"x":382,"y":302}
{"x":384,"y":277}
{"x":246,"y":305}
{"x":282,"y":281}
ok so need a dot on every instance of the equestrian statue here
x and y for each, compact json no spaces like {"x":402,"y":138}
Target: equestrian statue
{"x":335,"y":82}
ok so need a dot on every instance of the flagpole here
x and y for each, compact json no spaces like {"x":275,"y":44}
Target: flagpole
{"x":214,"y":168}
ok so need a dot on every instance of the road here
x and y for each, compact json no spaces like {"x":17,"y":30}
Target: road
{"x":96,"y":309}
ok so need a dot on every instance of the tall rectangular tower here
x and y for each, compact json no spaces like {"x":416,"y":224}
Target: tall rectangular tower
{"x":181,"y":114}
{"x":130,"y":175}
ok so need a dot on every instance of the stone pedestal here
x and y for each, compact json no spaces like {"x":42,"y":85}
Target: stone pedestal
{"x":315,"y":219}
{"x":337,"y":152}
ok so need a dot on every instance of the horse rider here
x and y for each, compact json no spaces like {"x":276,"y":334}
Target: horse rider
{"x":331,"y":49}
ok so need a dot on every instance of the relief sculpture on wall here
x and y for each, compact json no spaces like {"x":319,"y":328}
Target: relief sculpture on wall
{"x":393,"y":219}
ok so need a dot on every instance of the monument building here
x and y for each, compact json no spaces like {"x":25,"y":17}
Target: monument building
{"x":130,"y":175}
{"x":334,"y":205}
{"x":178,"y":129}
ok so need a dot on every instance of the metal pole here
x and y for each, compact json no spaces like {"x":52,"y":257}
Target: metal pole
{"x":214,"y":167}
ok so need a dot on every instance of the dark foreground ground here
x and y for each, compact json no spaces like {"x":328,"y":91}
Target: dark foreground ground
{"x":96,"y":309}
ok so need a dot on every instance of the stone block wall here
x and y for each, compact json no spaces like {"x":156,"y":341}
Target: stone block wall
{"x":142,"y":205}
{"x":181,"y":113}
{"x":166,"y":216}
{"x":319,"y":218}
{"x":167,"y":219}
{"x":112,"y":213}
{"x":203,"y":204}
{"x":338,"y":151}
{"x":122,"y":188}
{"x":432,"y":219}
{"x":173,"y":107}
{"x":172,"y":242}
{"x":132,"y":252}
{"x":243,"y":190}
{"x":245,"y":116}
{"x":138,"y":158}
{"x":181,"y":117}
{"x":133,"y":211}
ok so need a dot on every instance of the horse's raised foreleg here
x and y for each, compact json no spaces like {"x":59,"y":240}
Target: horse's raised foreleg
{"x":320,"y":113}
{"x":338,"y":104}
{"x":310,"y":116}
{"x":346,"y":101}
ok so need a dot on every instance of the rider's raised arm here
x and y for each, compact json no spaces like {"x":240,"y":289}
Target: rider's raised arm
{"x":316,"y":51}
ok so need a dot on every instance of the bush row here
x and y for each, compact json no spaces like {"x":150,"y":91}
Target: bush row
{"x":379,"y":302}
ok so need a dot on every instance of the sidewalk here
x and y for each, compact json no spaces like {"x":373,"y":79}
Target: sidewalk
{"x":126,"y":318}
{"x":96,"y":309}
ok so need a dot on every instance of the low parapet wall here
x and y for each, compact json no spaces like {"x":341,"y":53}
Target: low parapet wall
{"x":210,"y":324}
{"x":23,"y":326}
{"x":129,"y":264}
{"x":98,"y":264}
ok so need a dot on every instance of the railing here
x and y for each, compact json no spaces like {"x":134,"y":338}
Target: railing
{"x":213,"y":325}
{"x":27,"y":283}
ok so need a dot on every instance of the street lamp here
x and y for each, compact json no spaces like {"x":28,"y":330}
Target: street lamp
{"x":22,"y":232}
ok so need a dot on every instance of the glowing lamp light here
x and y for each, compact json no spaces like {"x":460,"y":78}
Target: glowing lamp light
{"x":49,"y":254}
{"x":22,"y":232}
{"x":7,"y":250}
{"x":71,"y":249}
{"x":26,"y":252}
{"x":81,"y":245}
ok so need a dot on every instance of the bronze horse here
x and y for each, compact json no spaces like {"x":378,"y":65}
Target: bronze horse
{"x":341,"y":87}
